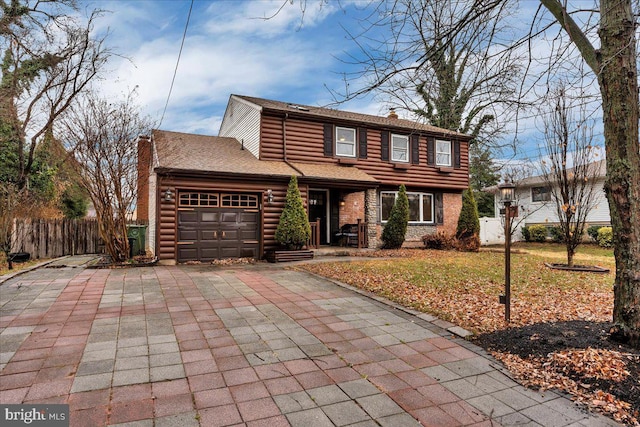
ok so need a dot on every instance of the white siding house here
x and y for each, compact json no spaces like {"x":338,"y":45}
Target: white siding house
{"x":536,"y":205}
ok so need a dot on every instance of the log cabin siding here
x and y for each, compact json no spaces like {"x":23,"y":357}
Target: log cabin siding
{"x":270,"y":212}
{"x":304,"y":143}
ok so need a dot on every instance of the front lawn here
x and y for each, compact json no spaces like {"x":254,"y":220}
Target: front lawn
{"x":463,"y":288}
{"x":557,"y":337}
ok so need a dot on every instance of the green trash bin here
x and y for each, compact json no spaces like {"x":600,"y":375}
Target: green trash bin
{"x":136,"y":235}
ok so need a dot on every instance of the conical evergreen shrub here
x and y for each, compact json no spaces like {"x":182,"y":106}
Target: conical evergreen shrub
{"x":293,"y":229}
{"x":468,"y":230}
{"x":396,"y":227}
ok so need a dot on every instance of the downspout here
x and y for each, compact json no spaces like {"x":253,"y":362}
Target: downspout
{"x":284,"y":137}
{"x":284,"y":144}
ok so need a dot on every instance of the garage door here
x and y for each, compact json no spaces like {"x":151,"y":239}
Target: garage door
{"x":218,"y":225}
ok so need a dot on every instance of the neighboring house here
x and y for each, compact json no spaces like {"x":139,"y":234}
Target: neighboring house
{"x":536,"y":204}
{"x":209,"y":197}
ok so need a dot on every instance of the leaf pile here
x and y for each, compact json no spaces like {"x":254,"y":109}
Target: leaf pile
{"x":558,"y":335}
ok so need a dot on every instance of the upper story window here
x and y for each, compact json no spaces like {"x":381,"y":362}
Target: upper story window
{"x":421,"y":206}
{"x":345,"y":142}
{"x":399,"y":148}
{"x":541,"y":194}
{"x":443,"y":153}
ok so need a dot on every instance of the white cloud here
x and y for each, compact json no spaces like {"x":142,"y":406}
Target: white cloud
{"x":266,"y":18}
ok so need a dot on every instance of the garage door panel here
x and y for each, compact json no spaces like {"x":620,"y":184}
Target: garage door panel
{"x":229,"y":235}
{"x":187,"y":218}
{"x":230,"y":252}
{"x":186,"y":235}
{"x":217,"y":233}
{"x":229,"y":217}
{"x":248,"y":234}
{"x":249,"y":251}
{"x":209,"y":217}
{"x":208,"y":236}
{"x":187,"y":253}
{"x":209,"y":253}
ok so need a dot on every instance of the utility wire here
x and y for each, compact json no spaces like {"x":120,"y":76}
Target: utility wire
{"x":175,"y":71}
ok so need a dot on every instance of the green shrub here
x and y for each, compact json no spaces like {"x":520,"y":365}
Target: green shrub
{"x":293,"y":229}
{"x":440,"y":241}
{"x":557,"y":234}
{"x":526,"y":234}
{"x":74,"y":203}
{"x":592,"y":231}
{"x":468,"y":230}
{"x":396,"y":227}
{"x":538,"y":233}
{"x":605,"y":237}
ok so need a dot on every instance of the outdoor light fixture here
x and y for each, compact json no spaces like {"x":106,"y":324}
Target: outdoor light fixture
{"x":269,"y":196}
{"x":168,"y":195}
{"x":342,"y":202}
{"x":507,"y":192}
{"x":507,"y":196}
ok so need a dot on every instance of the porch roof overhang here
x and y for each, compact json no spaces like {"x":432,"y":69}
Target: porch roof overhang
{"x":334,"y":175}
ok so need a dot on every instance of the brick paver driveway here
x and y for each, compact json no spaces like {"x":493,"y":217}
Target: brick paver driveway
{"x":254,"y":345}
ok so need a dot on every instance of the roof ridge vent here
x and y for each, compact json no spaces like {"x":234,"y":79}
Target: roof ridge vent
{"x":297,"y":107}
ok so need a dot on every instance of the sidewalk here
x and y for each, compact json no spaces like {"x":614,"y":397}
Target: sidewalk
{"x":246,"y":346}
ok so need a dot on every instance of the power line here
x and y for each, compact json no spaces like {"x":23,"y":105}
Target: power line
{"x":175,"y":71}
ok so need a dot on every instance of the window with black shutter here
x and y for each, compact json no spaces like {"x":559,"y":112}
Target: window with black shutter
{"x":384,"y":146}
{"x":415,"y":149}
{"x":439,"y":209}
{"x":456,"y":154}
{"x":362,"y":143}
{"x":328,"y":139}
{"x":431,"y":150}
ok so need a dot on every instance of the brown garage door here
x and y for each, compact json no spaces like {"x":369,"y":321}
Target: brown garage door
{"x":208,"y":233}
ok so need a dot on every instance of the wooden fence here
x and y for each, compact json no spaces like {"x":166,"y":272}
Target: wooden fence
{"x":50,"y":238}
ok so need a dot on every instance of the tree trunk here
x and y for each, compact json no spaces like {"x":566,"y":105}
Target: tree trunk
{"x":617,"y":76}
{"x":570,"y":253}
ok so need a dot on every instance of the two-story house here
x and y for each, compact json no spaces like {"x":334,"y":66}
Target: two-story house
{"x":221,"y":197}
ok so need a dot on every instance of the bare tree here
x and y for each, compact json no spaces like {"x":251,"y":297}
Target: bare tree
{"x":424,"y":61}
{"x":103,"y":136}
{"x":569,"y":168}
{"x":614,"y":64}
{"x":48,"y":59}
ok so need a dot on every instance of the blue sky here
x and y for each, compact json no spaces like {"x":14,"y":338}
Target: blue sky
{"x":230,"y":49}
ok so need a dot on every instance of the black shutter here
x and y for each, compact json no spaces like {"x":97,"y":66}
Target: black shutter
{"x":431,"y":151}
{"x":384,"y":146}
{"x":439,"y":209}
{"x":362,"y":143}
{"x":456,"y":154}
{"x":415,"y":149}
{"x":328,"y":140}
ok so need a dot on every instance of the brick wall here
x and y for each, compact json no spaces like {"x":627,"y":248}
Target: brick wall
{"x":144,"y":163}
{"x":452,"y":203}
{"x":353,"y":209}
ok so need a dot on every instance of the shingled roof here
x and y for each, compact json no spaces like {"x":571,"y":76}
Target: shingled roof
{"x":329,"y":113}
{"x":190,"y":152}
{"x":186,"y":152}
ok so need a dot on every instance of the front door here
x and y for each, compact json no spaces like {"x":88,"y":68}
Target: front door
{"x":318,"y":204}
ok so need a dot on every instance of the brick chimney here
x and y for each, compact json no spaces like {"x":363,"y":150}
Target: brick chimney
{"x":392,"y":113}
{"x":144,"y":166}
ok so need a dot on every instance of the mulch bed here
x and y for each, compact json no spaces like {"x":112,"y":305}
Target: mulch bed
{"x":575,"y":356}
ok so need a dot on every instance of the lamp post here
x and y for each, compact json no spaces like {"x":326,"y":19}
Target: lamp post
{"x":507,"y":196}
